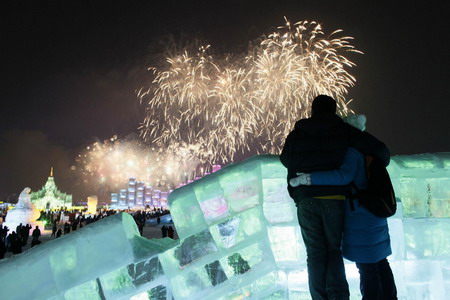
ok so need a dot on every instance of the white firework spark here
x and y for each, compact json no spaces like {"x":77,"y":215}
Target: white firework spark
{"x":114,"y":161}
{"x":249,"y":103}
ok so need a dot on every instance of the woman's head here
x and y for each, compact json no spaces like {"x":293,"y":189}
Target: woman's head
{"x":357,"y":121}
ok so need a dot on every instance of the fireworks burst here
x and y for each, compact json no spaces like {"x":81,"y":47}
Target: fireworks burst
{"x":114,"y":161}
{"x":249,"y":103}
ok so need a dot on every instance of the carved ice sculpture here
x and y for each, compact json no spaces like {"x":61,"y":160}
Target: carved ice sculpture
{"x":24,"y":212}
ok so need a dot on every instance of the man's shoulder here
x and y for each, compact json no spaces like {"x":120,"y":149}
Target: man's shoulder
{"x":354,"y":153}
{"x":352,"y":131}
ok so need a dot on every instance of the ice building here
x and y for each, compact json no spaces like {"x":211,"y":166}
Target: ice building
{"x":239,"y":239}
{"x":139,"y":195}
{"x":49,"y":197}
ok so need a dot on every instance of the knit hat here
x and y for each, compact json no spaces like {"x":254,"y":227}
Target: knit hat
{"x":323,"y":104}
{"x":357,"y":121}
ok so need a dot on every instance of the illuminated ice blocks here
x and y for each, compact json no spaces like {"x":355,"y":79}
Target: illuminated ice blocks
{"x":422,"y":183}
{"x":239,"y":239}
{"x":248,"y":226}
{"x":420,"y":231}
{"x":246,"y":243}
{"x":106,"y":259}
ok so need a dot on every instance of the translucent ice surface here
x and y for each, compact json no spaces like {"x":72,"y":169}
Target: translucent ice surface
{"x":250,"y":204}
{"x":239,"y":239}
{"x":422,"y":183}
{"x":107,"y":258}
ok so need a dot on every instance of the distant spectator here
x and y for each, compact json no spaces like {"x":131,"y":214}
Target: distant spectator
{"x":141,"y":227}
{"x":164,"y":231}
{"x":8,"y":242}
{"x":2,"y":249}
{"x":19,"y":229}
{"x":3,"y":232}
{"x":66,"y":228}
{"x":170,"y":232}
{"x":36,"y":234}
{"x":54,"y":229}
{"x":74,"y":225}
{"x":25,"y":234}
{"x":15,"y":243}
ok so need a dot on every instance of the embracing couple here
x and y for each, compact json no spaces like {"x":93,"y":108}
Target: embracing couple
{"x":325,"y":158}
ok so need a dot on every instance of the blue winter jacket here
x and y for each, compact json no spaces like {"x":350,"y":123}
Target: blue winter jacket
{"x":366,"y":236}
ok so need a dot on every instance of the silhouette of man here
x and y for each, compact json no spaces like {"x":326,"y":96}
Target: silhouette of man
{"x":36,"y":234}
{"x":164,"y":231}
{"x":170,"y":232}
{"x":54,"y":228}
{"x":16,"y":243}
{"x":2,"y":249}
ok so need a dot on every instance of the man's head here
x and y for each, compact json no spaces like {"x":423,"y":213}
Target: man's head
{"x":322,"y":105}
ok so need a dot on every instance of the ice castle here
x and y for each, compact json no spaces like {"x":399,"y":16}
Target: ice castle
{"x":239,"y":239}
{"x":49,"y":196}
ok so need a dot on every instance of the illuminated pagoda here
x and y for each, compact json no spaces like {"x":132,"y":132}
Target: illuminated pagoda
{"x":50,"y":197}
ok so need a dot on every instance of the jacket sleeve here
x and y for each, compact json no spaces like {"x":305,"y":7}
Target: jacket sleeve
{"x":367,"y":144}
{"x":285,"y":154}
{"x":342,"y":176}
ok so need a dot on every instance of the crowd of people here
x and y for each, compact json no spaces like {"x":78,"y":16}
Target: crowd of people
{"x":16,"y":240}
{"x":63,"y":222}
{"x":167,"y":231}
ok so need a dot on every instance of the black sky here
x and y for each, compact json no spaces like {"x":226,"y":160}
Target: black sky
{"x":69,"y":70}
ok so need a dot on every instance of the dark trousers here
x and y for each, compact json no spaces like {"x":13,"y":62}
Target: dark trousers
{"x":322,"y":223}
{"x":377,"y":281}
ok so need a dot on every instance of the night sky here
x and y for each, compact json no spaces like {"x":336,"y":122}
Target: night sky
{"x":70,"y":69}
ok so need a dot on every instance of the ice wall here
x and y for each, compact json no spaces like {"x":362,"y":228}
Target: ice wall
{"x":241,"y":224}
{"x":106,"y":260}
{"x":239,"y":239}
{"x":243,"y":214}
{"x":421,"y":230}
{"x":422,"y":182}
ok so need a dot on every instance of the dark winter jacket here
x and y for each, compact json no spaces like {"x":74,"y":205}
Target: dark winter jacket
{"x":319,"y":143}
{"x":36,"y":233}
